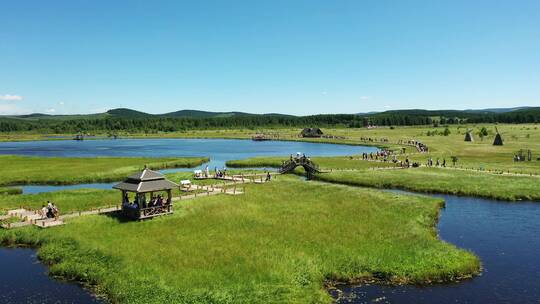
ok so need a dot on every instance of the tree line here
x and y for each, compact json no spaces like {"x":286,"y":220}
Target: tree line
{"x":170,"y":124}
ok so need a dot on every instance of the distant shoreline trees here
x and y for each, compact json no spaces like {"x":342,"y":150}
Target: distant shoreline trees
{"x":152,"y":123}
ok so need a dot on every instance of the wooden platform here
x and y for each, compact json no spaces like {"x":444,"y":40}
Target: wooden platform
{"x":29,"y":217}
{"x":229,"y":187}
{"x":47,"y":223}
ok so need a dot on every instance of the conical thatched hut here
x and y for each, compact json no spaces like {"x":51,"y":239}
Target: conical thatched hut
{"x":311,"y":132}
{"x":498,"y":140}
{"x":469,"y":136}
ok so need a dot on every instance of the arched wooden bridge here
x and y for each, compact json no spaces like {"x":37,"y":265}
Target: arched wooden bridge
{"x":310,"y":167}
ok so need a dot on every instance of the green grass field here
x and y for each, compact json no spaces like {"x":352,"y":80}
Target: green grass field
{"x":480,"y":153}
{"x":10,"y":190}
{"x":438,"y":180}
{"x":356,"y":172}
{"x":67,"y":201}
{"x":21,"y":170}
{"x":480,"y":158}
{"x":280,"y":242}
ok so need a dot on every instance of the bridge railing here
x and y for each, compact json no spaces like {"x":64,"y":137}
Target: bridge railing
{"x":290,"y":164}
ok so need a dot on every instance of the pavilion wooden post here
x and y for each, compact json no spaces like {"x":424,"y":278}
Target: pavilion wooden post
{"x":123,"y":195}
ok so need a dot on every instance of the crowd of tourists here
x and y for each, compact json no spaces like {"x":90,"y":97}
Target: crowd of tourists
{"x":220,"y":173}
{"x":382,"y":155}
{"x":140,"y":201}
{"x":300,"y":157}
{"x":49,"y":211}
{"x":421,"y":147}
{"x":438,"y":163}
{"x":373,"y":139}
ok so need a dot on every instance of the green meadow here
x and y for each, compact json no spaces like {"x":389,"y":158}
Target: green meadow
{"x":280,"y":242}
{"x":477,"y":172}
{"x":67,"y":201}
{"x":286,"y":241}
{"x":438,"y":180}
{"x":21,"y":170}
{"x":356,"y":172}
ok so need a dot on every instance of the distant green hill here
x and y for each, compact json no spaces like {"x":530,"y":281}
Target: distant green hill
{"x":202,"y":114}
{"x":127,"y":113}
{"x":118,"y":120}
{"x":41,"y":116}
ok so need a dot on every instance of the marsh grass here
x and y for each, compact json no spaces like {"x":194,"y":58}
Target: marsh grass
{"x":434,"y":180}
{"x":67,"y":201}
{"x":329,"y":162}
{"x":278,"y":243}
{"x":437,"y":180}
{"x":10,"y":190}
{"x":21,"y":170}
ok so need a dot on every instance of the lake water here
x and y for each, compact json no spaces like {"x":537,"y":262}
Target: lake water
{"x":24,"y":279}
{"x":33,"y":189}
{"x":219,"y":150}
{"x":506,"y":237}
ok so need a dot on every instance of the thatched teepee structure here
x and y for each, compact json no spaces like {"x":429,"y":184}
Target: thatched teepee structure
{"x":498,"y":139}
{"x":469,"y":136}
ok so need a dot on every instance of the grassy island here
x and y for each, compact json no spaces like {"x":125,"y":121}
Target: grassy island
{"x":21,"y":170}
{"x":280,"y":242}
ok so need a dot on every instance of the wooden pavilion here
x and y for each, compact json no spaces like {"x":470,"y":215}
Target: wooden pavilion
{"x":147,"y":189}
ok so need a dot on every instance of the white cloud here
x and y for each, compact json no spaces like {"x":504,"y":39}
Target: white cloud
{"x":61,"y":103}
{"x":51,"y":110}
{"x":8,"y":97}
{"x":324,"y":92}
{"x":99,"y":110}
{"x":11,"y":109}
{"x":365,"y":97}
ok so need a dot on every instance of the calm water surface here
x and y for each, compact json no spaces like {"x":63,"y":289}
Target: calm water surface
{"x":506,"y":237}
{"x":219,"y":150}
{"x":23,"y":279}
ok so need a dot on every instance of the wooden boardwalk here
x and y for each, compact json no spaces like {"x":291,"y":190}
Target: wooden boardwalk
{"x":32,"y":217}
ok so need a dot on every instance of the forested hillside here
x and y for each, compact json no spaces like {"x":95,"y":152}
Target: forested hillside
{"x":134,"y":121}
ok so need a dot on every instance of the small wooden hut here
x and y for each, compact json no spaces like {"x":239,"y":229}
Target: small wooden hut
{"x":311,"y":132}
{"x":147,"y":189}
{"x":498,"y":141}
{"x":469,"y":136}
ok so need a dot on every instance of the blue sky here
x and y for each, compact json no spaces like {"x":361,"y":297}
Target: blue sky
{"x":286,"y":56}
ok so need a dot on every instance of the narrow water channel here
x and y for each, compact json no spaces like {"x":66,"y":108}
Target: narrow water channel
{"x":506,"y":237}
{"x":23,"y":279}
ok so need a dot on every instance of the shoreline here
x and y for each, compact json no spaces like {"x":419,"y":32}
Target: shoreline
{"x":328,"y":284}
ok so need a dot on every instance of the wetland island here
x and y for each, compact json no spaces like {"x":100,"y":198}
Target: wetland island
{"x":325,"y":169}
